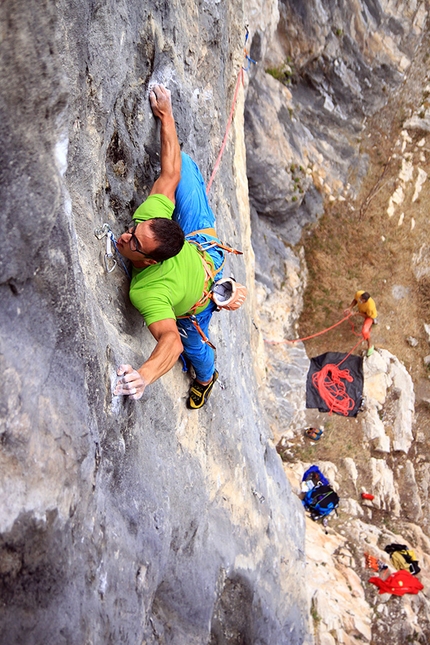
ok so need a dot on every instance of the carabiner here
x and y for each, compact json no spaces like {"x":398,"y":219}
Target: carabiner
{"x":110,"y":261}
{"x":101,"y":232}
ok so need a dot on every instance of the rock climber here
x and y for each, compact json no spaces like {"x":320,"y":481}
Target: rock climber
{"x":171,"y":270}
{"x":367,"y":309}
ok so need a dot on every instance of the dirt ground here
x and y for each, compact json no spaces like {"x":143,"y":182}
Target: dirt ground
{"x":357,"y":245}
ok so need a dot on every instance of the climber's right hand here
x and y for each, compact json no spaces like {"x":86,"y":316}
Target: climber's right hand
{"x":161,"y":102}
{"x":130,"y":383}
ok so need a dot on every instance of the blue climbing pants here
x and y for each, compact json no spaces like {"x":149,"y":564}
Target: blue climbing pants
{"x":193,"y":213}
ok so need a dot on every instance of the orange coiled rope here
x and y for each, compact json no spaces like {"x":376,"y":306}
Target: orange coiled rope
{"x":332,"y":389}
{"x":330,"y":381}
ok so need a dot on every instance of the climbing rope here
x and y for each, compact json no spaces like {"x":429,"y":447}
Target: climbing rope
{"x":224,"y":141}
{"x":330,"y":384}
{"x":239,"y":81}
{"x":319,"y":333}
{"x":330,"y":381}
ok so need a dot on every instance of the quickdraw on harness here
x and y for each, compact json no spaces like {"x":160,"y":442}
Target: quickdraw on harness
{"x":239,"y":294}
{"x":109,"y":258}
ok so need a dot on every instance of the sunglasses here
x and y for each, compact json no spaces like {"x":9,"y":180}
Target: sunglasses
{"x":134,"y":243}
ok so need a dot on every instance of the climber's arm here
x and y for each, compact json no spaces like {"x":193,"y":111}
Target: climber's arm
{"x":349,"y":309}
{"x":170,"y":175}
{"x":166,"y":353}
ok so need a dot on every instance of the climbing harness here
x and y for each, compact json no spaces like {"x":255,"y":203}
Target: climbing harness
{"x":109,"y":258}
{"x":240,"y":80}
{"x":209,"y":268}
{"x":238,"y":291}
{"x":192,"y":318}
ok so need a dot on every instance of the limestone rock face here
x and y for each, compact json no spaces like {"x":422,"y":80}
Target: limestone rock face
{"x":318,"y":76}
{"x":388,"y":387}
{"x":122,"y":521}
{"x":143,"y":522}
{"x":345,"y":607}
{"x":332,"y":65}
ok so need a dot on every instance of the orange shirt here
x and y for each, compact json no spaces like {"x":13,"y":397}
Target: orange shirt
{"x":368,"y":308}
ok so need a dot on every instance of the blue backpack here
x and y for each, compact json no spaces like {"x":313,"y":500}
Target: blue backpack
{"x":320,"y":501}
{"x":315,"y":475}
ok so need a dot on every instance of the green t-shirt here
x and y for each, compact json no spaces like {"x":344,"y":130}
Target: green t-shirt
{"x":170,"y":288}
{"x":154,"y":206}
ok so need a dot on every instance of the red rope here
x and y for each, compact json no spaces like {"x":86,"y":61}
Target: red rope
{"x":230,"y":118}
{"x":319,"y":333}
{"x":350,"y":352}
{"x":332,"y":389}
{"x":330,"y":381}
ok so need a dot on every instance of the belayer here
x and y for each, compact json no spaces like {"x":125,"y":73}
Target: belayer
{"x":177,"y":258}
{"x":367,"y":309}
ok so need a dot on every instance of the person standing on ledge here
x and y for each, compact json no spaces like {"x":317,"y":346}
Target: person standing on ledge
{"x":367,"y":309}
{"x":172,"y":272}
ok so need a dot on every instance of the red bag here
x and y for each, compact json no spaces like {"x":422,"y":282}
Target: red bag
{"x":398,"y":583}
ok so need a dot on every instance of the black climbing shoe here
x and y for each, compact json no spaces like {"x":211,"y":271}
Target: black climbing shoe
{"x":199,"y":393}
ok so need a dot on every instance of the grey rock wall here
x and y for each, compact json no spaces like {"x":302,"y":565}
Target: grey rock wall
{"x":320,"y":73}
{"x":143,"y":522}
{"x":122,"y":521}
{"x":390,"y":458}
{"x":321,"y":70}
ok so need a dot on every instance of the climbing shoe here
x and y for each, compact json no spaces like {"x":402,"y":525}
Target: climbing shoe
{"x":314,"y":433}
{"x":199,"y":393}
{"x":370,"y":350}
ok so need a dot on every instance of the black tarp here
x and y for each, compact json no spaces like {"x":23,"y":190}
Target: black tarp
{"x":354,"y":364}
